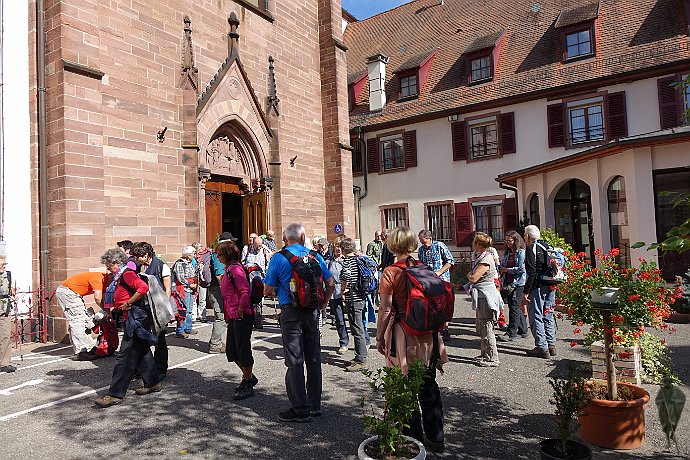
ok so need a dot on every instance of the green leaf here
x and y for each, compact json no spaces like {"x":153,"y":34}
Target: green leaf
{"x":638,"y":245}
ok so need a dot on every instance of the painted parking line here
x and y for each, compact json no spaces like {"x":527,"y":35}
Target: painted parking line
{"x":93,"y":392}
{"x":8,"y":391}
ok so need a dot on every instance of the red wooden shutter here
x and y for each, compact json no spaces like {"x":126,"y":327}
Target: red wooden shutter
{"x":669,"y":103}
{"x":616,"y":117}
{"x":555,"y":119}
{"x":463,"y":224}
{"x":507,"y":135}
{"x":459,"y":144}
{"x":509,"y":214}
{"x":410,"y":148}
{"x":373,"y":163}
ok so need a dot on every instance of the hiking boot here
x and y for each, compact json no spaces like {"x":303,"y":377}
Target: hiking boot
{"x":244,"y":390}
{"x":486,"y":363}
{"x":537,"y":352}
{"x":505,"y":338}
{"x":342,"y":350}
{"x":253,"y":380}
{"x":315,"y":413}
{"x":107,"y":401}
{"x":144,"y":391}
{"x":357,"y":366}
{"x":8,"y":369}
{"x":84,"y":356}
{"x":216,"y":351}
{"x":552,"y":350}
{"x":291,"y":416}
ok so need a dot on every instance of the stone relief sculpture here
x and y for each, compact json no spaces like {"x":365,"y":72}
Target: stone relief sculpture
{"x":222,"y":155}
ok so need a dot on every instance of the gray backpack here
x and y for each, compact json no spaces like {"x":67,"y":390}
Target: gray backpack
{"x":158,"y":302}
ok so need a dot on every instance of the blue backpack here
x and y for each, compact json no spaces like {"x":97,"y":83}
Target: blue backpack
{"x":367,"y":281}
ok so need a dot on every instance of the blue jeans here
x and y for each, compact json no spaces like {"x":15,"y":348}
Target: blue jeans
{"x":337,"y":312}
{"x":186,"y":325}
{"x":369,"y":313}
{"x":542,"y":324}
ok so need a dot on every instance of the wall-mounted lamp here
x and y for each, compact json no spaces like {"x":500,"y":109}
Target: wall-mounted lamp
{"x":161,"y":134}
{"x":453,"y":117}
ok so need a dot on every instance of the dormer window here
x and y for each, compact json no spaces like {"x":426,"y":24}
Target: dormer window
{"x":408,"y":86}
{"x":411,"y":74}
{"x":482,"y":57}
{"x":577,"y":31}
{"x":481,"y":69}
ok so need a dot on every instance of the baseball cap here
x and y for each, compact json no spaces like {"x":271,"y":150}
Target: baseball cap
{"x":226,"y":236}
{"x":322,"y":242}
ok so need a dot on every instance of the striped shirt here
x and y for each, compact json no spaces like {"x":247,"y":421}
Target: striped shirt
{"x":349,"y":275}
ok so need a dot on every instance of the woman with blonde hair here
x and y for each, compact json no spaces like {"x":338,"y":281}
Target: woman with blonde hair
{"x":399,"y":347}
{"x":486,"y":300}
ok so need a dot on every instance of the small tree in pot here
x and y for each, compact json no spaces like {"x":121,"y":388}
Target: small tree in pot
{"x":387,"y":423}
{"x":570,"y":396}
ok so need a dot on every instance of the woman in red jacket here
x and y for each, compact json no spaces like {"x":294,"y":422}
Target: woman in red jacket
{"x":239,"y":314}
{"x":125,"y":292}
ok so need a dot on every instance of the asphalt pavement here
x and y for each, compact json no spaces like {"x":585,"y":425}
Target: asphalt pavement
{"x":46,"y":409}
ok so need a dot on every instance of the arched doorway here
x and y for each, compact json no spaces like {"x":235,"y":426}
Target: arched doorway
{"x":236,"y":192}
{"x":618,"y":219}
{"x":572,"y":207}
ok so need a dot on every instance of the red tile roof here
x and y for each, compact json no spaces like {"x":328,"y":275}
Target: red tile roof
{"x":577,"y":15}
{"x":631,"y":35}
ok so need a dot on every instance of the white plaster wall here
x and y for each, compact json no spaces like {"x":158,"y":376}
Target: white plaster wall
{"x":16,"y":136}
{"x":437,"y":177}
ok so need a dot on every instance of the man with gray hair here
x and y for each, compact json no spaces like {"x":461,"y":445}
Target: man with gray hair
{"x":538,"y":295}
{"x":184,"y":276}
{"x":298,"y":324}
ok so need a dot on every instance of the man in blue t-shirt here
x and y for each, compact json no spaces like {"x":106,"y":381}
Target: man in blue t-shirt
{"x":299,"y":329}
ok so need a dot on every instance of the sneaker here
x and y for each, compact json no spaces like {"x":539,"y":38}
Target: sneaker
{"x":216,"y":351}
{"x":144,"y":391}
{"x":537,"y":352}
{"x":8,"y":369}
{"x":291,"y":416}
{"x":505,"y":338}
{"x":357,"y":366}
{"x":342,"y":350}
{"x":244,"y":390}
{"x":486,"y":363}
{"x":107,"y":401}
{"x":253,"y":380}
{"x":552,"y":350}
{"x":315,"y":413}
{"x":524,"y":336}
{"x":192,"y":332}
{"x":182,"y":336}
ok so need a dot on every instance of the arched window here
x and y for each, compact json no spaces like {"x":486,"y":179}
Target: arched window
{"x":618,"y":220}
{"x":534,"y":210}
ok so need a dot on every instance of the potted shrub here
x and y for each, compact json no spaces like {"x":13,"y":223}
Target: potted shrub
{"x":388,"y":421}
{"x":681,"y":309}
{"x":570,"y":396}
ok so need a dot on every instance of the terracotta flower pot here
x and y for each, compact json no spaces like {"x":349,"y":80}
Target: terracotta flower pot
{"x":615,"y":424}
{"x":362,"y":455}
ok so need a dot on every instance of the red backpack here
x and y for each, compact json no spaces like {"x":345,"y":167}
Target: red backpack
{"x":430,"y":300}
{"x":108,"y":339}
{"x":306,"y":286}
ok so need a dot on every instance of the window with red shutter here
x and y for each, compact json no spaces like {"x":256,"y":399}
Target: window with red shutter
{"x":458,"y":140}
{"x":410,"y":147}
{"x":670,"y":103}
{"x":506,"y":125}
{"x":510,"y":212}
{"x":556,"y":125}
{"x":616,"y":117}
{"x":373,"y":163}
{"x":463,"y":224}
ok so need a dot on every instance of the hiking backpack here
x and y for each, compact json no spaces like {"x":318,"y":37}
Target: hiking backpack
{"x":430,"y":300}
{"x":205,"y":275}
{"x":367,"y":282}
{"x":306,"y":285}
{"x":255,"y":276}
{"x":155,"y":300}
{"x":108,"y":339}
{"x":555,"y":263}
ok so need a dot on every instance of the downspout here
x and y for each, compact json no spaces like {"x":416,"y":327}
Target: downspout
{"x":42,"y":162}
{"x":365,"y":169}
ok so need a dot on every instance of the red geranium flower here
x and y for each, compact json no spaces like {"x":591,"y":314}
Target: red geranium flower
{"x":624,"y":355}
{"x":573,"y":343}
{"x":633,"y":297}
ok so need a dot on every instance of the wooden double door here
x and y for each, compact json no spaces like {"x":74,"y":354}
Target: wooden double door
{"x":228,"y":209}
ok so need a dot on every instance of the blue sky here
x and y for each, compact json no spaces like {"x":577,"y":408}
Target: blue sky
{"x":362,"y":9}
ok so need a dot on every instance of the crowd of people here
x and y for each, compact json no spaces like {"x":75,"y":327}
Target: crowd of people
{"x":307,"y":277}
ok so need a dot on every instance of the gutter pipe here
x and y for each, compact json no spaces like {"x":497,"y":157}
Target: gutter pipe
{"x":42,"y":165}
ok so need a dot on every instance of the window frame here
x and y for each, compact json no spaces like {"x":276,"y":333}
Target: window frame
{"x":380,"y":139}
{"x":482,"y":120}
{"x":450,"y":237}
{"x":388,"y":207}
{"x":532,"y":211}
{"x":487,"y":53}
{"x":585,"y":100}
{"x":621,"y":203}
{"x":491,"y":201}
{"x":261,"y":9}
{"x":408,"y":74}
{"x":588,"y":26}
{"x":357,"y":152}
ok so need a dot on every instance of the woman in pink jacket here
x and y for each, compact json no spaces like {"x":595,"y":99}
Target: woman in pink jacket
{"x":239,"y":314}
